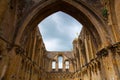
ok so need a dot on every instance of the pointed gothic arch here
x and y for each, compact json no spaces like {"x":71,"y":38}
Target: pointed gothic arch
{"x":79,"y":10}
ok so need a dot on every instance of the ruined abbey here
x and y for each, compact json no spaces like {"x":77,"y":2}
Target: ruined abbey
{"x":95,"y":54}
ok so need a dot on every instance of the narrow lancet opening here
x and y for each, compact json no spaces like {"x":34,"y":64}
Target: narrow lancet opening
{"x":53,"y":65}
{"x":60,"y":62}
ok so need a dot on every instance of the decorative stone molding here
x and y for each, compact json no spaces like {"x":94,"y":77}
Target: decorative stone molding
{"x":115,"y":48}
{"x":61,"y":75}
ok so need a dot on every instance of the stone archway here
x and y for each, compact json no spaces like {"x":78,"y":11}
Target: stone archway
{"x":79,"y":10}
{"x":28,"y":60}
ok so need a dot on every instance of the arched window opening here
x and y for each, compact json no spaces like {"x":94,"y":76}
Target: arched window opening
{"x":53,"y":65}
{"x":59,"y":30}
{"x":67,"y":65}
{"x":60,"y":62}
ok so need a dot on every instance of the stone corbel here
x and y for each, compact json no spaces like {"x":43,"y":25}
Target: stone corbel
{"x":19,"y":50}
{"x":102,"y":53}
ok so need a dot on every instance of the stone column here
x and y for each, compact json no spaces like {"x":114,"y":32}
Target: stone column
{"x":4,"y":59}
{"x":113,"y":20}
{"x":15,"y":61}
{"x":98,"y":69}
{"x":34,"y":45}
{"x":90,"y":48}
{"x":50,"y":66}
{"x":56,"y":65}
{"x":114,"y":53}
{"x":80,"y":53}
{"x":87,"y":50}
{"x":107,"y":65}
{"x":64,"y":65}
{"x":30,"y":46}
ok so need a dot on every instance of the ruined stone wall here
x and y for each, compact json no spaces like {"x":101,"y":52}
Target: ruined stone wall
{"x":12,"y":13}
{"x":60,"y":74}
{"x":23,"y":63}
{"x":93,"y":57}
{"x":92,"y":63}
{"x":33,"y":62}
{"x":53,"y":56}
{"x":85,"y":55}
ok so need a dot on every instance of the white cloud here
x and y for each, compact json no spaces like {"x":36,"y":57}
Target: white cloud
{"x":58,"y":31}
{"x":52,"y":44}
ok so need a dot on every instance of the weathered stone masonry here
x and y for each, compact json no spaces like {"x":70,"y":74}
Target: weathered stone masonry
{"x":96,"y":52}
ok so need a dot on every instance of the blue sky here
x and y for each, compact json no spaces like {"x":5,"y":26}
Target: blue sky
{"x":58,"y":31}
